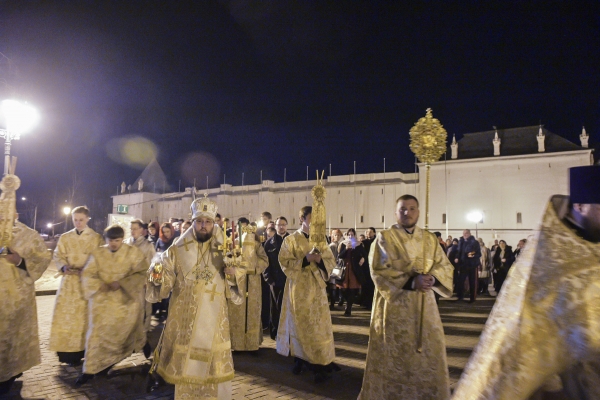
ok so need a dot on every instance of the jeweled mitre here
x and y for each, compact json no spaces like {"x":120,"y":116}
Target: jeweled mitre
{"x":204,"y":207}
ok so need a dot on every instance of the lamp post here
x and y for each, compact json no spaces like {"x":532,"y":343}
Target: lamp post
{"x":19,"y":118}
{"x":476,"y":217}
{"x":34,"y":212}
{"x":67,"y":211}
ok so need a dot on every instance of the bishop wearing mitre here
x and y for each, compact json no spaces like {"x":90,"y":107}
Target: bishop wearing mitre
{"x":194,"y":353}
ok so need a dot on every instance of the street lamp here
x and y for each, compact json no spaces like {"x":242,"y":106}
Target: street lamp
{"x":34,"y":212}
{"x":20,"y":118}
{"x":67,"y":211}
{"x":476,"y":217}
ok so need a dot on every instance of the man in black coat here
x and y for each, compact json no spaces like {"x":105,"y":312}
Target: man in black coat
{"x":453,"y":255}
{"x":273,"y":275}
{"x":468,"y":259}
{"x":368,"y":287}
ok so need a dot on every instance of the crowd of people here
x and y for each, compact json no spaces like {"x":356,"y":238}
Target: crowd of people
{"x":476,"y":266}
{"x":226,"y":285}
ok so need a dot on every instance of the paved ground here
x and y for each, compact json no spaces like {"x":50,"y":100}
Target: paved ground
{"x":264,"y":375}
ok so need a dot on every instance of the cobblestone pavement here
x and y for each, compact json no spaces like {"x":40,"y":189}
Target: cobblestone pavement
{"x":265,"y":375}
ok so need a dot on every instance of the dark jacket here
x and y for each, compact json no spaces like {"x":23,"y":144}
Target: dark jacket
{"x":357,"y":253}
{"x":469,"y":246}
{"x":453,"y":254}
{"x":508,"y":256}
{"x":162,"y":246}
{"x":273,"y":275}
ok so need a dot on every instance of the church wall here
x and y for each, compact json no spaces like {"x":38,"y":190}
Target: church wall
{"x":500,"y":188}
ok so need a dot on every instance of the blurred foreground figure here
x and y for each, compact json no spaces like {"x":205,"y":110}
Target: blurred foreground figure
{"x":194,"y":353}
{"x":21,"y":264}
{"x":543,"y":334}
{"x":395,"y":370}
{"x":70,"y":317}
{"x":113,"y":282}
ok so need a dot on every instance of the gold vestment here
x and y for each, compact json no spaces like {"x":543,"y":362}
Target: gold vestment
{"x":244,"y":319}
{"x":394,"y":369}
{"x":148,"y":250}
{"x":116,"y":320}
{"x":546,"y":320}
{"x":195,"y":349}
{"x":305,"y":330}
{"x":70,"y":318}
{"x":20,"y":347}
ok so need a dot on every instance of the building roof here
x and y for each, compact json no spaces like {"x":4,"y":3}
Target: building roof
{"x":514,"y":141}
{"x":154,"y":179}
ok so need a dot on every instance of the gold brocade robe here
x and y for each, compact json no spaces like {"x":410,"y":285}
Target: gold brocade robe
{"x":546,"y":319}
{"x":244,"y":320}
{"x":19,"y":344}
{"x":116,"y":318}
{"x":394,"y":369}
{"x":70,"y":318}
{"x":149,"y":252}
{"x":305,"y":329}
{"x":195,"y":349}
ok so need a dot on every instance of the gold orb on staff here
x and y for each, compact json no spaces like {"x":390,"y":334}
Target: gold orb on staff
{"x":428,"y":143}
{"x":317,"y":229}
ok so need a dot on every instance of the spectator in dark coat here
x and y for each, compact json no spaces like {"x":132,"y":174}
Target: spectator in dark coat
{"x":503,"y":259}
{"x":274,"y":276}
{"x":452,"y":256}
{"x":468,"y":259}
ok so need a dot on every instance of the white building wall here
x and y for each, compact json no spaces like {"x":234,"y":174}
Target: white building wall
{"x":500,"y":187}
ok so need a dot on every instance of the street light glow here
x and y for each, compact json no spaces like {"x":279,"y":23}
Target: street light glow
{"x":49,"y":225}
{"x":20,"y":117}
{"x":23,"y":198}
{"x":475,"y":216}
{"x":67,"y":210}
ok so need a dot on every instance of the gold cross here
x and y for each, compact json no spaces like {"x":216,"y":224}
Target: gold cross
{"x":212,"y":292}
{"x":186,"y":244}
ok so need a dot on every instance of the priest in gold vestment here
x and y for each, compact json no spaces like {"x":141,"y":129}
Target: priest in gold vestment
{"x":305,"y":330}
{"x":113,"y":282}
{"x":195,"y":348}
{"x":543,"y":334}
{"x":245,"y":319}
{"x":70,"y":317}
{"x":20,"y":347}
{"x":394,"y":369}
{"x":137,"y":228}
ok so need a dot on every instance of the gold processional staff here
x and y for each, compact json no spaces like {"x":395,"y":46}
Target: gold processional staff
{"x":317,"y":229}
{"x":428,"y":143}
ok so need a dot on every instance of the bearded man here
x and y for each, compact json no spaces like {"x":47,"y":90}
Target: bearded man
{"x":195,"y":349}
{"x":395,"y":370}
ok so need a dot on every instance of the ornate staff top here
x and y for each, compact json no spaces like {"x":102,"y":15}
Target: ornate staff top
{"x":318,"y":229}
{"x":428,"y":139}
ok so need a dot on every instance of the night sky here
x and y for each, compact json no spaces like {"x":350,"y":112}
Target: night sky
{"x":232,"y":87}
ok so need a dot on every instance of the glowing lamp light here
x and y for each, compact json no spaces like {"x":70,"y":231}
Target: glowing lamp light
{"x":260,"y":223}
{"x":67,"y":210}
{"x":475,"y":216}
{"x":48,"y":225}
{"x":20,"y":117}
